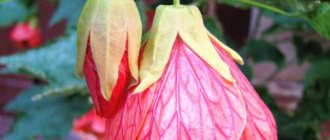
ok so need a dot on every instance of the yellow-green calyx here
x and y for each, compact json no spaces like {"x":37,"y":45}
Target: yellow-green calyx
{"x":110,"y":25}
{"x":186,"y":22}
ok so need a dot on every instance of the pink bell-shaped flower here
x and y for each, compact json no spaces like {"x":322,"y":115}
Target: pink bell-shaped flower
{"x":189,"y":88}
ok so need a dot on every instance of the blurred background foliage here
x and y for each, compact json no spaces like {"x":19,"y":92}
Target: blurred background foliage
{"x":47,"y":109}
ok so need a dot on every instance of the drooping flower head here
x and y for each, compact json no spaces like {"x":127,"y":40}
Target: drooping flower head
{"x":189,"y":87}
{"x":109,"y":35}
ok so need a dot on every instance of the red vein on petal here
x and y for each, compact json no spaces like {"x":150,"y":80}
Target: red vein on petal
{"x":177,"y":108}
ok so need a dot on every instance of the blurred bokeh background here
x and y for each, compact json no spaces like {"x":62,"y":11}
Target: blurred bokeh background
{"x":285,"y":44}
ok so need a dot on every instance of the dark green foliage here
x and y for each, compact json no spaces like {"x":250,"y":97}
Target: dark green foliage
{"x":293,"y":125}
{"x":53,"y":63}
{"x":316,"y":13}
{"x":247,"y":70}
{"x":8,"y":8}
{"x":47,"y":110}
{"x":309,"y":50}
{"x":284,"y":23}
{"x":69,"y":10}
{"x":313,"y":109}
{"x":213,"y":26}
{"x":319,"y":75}
{"x":142,"y":9}
{"x":261,"y":50}
{"x":48,"y":118}
{"x":320,"y":19}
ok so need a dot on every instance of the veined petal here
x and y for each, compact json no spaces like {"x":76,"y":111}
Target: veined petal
{"x":186,"y":94}
{"x":190,"y":101}
{"x":260,"y":123}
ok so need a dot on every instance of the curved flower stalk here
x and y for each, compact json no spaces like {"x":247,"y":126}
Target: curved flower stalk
{"x":189,"y":87}
{"x":109,"y":35}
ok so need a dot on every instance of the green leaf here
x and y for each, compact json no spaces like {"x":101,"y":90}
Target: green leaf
{"x":53,"y":63}
{"x":47,"y":117}
{"x":69,"y":10}
{"x":11,"y":12}
{"x":50,"y":118}
{"x":310,"y":50}
{"x":3,"y":1}
{"x":261,"y":50}
{"x":317,"y":13}
{"x":213,"y":26}
{"x":142,"y":8}
{"x":247,"y":70}
{"x":283,"y":23}
{"x":267,"y":98}
{"x":284,"y":7}
{"x":287,"y":124}
{"x":314,"y":107}
{"x":319,"y":71}
{"x":320,"y":21}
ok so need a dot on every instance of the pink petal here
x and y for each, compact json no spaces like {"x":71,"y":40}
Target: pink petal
{"x":260,"y":124}
{"x":190,"y":101}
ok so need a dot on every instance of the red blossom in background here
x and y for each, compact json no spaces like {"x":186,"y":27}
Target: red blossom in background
{"x":25,"y":35}
{"x":90,"y":126}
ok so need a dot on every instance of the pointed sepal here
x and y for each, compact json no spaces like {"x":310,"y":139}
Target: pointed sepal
{"x":112,"y":27}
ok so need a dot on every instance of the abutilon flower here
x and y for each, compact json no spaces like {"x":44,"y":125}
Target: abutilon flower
{"x":189,"y":87}
{"x":109,"y":35}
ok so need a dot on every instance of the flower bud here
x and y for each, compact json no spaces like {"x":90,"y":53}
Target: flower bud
{"x":109,"y":35}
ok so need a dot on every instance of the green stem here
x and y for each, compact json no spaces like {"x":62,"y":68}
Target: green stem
{"x":176,"y":2}
{"x":269,"y":7}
